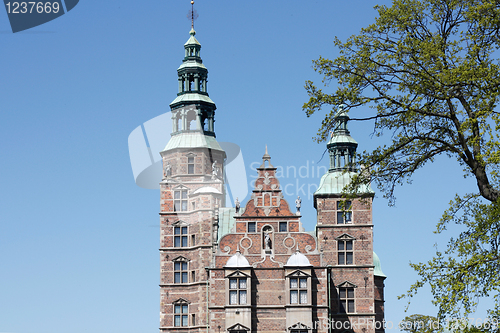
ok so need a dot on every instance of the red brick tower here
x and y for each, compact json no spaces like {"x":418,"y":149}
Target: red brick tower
{"x":345,"y":232}
{"x":191,"y":192}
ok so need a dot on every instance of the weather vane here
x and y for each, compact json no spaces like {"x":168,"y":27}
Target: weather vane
{"x":193,"y":14}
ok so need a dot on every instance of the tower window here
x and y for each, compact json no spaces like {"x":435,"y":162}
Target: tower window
{"x":345,"y":252}
{"x":298,"y":290}
{"x":180,"y":201}
{"x":190,"y":165}
{"x":283,"y":226}
{"x":238,"y":290}
{"x":344,"y":213}
{"x":346,"y":299}
{"x":180,"y":315}
{"x":251,"y":227}
{"x":180,"y":237}
{"x":180,"y":272}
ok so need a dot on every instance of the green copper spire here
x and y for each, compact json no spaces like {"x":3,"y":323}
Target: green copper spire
{"x":193,"y":110}
{"x":342,"y":147}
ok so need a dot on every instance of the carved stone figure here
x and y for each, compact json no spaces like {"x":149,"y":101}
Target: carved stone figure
{"x":298,"y":203}
{"x":267,"y":241}
{"x":237,"y":206}
{"x":167,"y":170}
{"x":214,"y":170}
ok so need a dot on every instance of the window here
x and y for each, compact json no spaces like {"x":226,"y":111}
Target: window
{"x":180,"y":237}
{"x":180,"y":272}
{"x":180,"y":315}
{"x":238,"y":290}
{"x":180,"y":200}
{"x":251,"y":227}
{"x":283,"y":227}
{"x":298,"y":290}
{"x":346,"y":297}
{"x":344,"y":213}
{"x":190,"y":165}
{"x":193,"y":319}
{"x":345,"y":252}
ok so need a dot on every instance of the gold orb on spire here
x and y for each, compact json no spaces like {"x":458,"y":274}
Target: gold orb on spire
{"x":192,"y":2}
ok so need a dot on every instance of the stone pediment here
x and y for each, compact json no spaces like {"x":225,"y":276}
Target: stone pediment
{"x":347,"y":284}
{"x":181,"y":258}
{"x":299,"y":273}
{"x":238,"y":327}
{"x":345,"y":237}
{"x":181,"y":300}
{"x":180,"y":223}
{"x":298,"y":326}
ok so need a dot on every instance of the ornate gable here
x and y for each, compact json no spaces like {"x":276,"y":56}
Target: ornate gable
{"x":267,"y":198}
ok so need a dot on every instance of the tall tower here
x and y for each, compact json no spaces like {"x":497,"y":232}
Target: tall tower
{"x":192,"y":189}
{"x":345,"y":230}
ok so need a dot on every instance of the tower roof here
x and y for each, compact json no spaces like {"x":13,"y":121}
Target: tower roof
{"x":342,"y":151}
{"x":377,"y":271}
{"x":341,"y":137}
{"x":192,"y":40}
{"x":193,"y":111}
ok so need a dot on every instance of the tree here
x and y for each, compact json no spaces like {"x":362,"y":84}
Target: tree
{"x":418,"y":323}
{"x":428,"y":71}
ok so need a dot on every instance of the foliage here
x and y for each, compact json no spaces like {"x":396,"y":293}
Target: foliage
{"x":428,"y":71}
{"x":418,"y":323}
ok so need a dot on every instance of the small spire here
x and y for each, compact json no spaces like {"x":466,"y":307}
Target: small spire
{"x":267,"y":158}
{"x":192,"y":16}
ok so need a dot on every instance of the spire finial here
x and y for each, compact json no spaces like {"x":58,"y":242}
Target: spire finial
{"x":267,"y":158}
{"x":193,"y":15}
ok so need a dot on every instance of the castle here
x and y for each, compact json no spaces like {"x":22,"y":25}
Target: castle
{"x":254,"y":268}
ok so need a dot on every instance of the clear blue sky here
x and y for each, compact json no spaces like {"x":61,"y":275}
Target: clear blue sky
{"x":78,"y":239}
